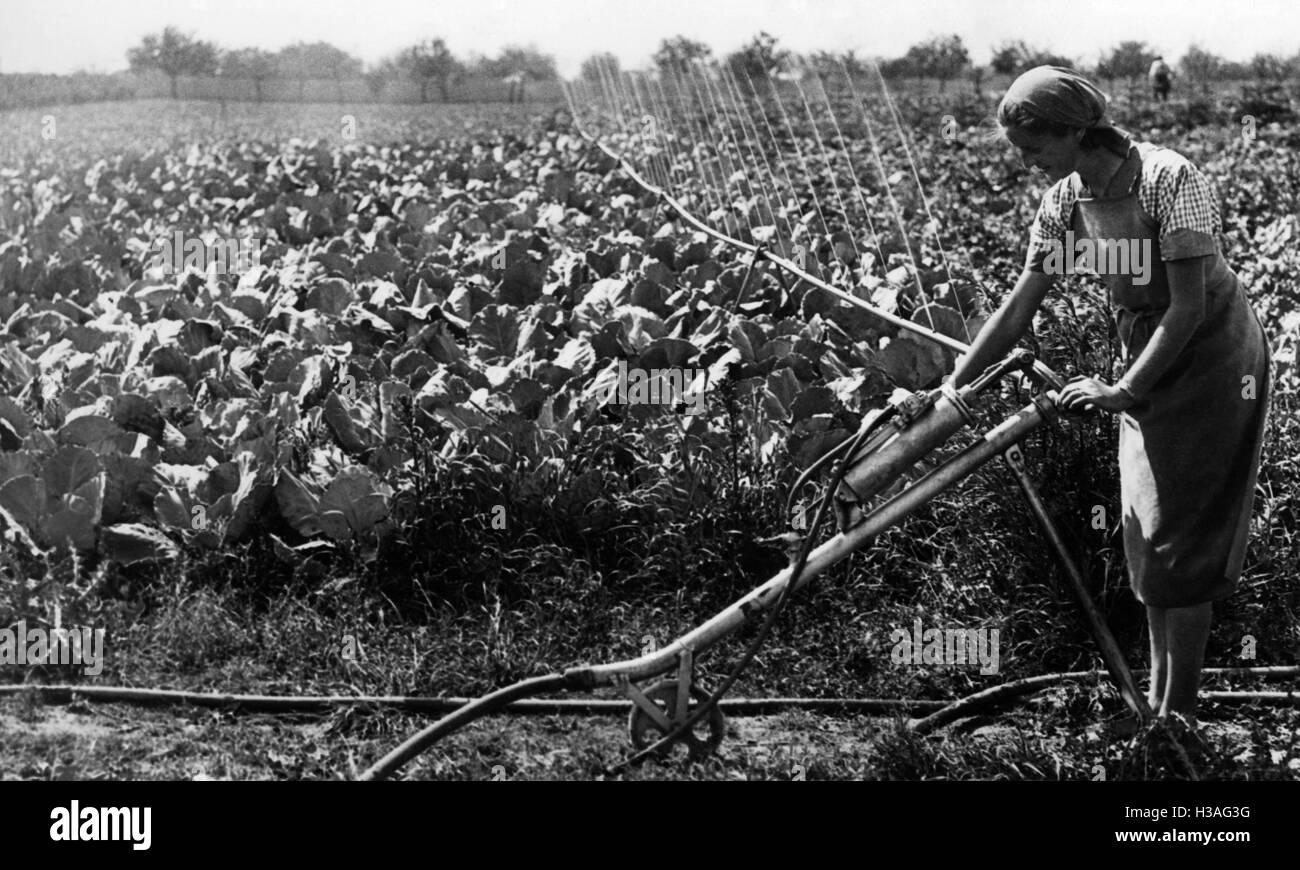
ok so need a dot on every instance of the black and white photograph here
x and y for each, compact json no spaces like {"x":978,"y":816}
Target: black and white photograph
{"x":698,"y":390}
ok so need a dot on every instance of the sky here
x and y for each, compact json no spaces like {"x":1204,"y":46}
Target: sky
{"x":62,"y":36}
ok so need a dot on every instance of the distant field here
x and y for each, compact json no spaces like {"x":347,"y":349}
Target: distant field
{"x":134,"y":125}
{"x":18,"y":89}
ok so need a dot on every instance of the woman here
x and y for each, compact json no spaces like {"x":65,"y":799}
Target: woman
{"x":1193,"y":396}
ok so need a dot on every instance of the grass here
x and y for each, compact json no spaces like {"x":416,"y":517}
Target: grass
{"x":217,"y":626}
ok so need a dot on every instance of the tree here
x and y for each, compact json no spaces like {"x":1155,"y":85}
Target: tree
{"x":1129,"y":60}
{"x":759,"y":57}
{"x":431,"y":62}
{"x":677,"y":54}
{"x":340,"y":66}
{"x":292,"y":62}
{"x":526,"y":59}
{"x":943,"y":58}
{"x":1008,"y":57}
{"x":174,"y":54}
{"x":1269,"y":67}
{"x":378,"y":77}
{"x":1201,"y":66}
{"x":855,"y":65}
{"x":1234,"y":71}
{"x":517,"y":65}
{"x":248,"y":63}
{"x":897,"y":67}
{"x":597,"y":65}
{"x":831,"y":67}
{"x":316,"y":60}
{"x":758,"y":62}
{"x":1015,"y":56}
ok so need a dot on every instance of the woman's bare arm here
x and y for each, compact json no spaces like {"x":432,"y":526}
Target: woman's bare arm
{"x":1005,"y":327}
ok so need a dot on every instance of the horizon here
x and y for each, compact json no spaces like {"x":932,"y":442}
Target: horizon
{"x":36,"y":35}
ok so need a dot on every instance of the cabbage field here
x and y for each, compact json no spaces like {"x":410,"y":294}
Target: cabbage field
{"x":383,"y":454}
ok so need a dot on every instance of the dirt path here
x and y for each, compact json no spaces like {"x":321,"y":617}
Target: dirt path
{"x":111,"y":741}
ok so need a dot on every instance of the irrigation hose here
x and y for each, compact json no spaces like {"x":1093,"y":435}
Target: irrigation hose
{"x":930,"y":335}
{"x":848,"y":444}
{"x":417,"y":743}
{"x":509,"y":700}
{"x":64,"y":693}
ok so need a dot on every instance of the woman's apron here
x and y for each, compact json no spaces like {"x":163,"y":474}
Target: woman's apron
{"x":1189,"y":449}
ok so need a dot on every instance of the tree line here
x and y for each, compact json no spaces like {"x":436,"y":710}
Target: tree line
{"x":429,"y":65}
{"x":946,"y":58}
{"x":429,"y":68}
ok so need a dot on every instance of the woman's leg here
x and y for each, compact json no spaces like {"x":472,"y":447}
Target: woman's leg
{"x":1186,"y":631}
{"x":1159,"y":659}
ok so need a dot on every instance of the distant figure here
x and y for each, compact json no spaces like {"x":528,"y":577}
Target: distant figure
{"x":516,"y":81}
{"x":1161,"y":77}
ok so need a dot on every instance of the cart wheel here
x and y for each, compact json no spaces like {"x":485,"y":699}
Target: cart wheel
{"x":703,"y":738}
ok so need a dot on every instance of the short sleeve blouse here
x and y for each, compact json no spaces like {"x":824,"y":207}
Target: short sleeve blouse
{"x":1171,"y":191}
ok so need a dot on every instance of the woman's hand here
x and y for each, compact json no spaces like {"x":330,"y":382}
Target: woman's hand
{"x":1086,"y":394}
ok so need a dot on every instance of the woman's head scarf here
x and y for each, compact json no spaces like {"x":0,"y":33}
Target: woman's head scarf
{"x":1057,"y":95}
